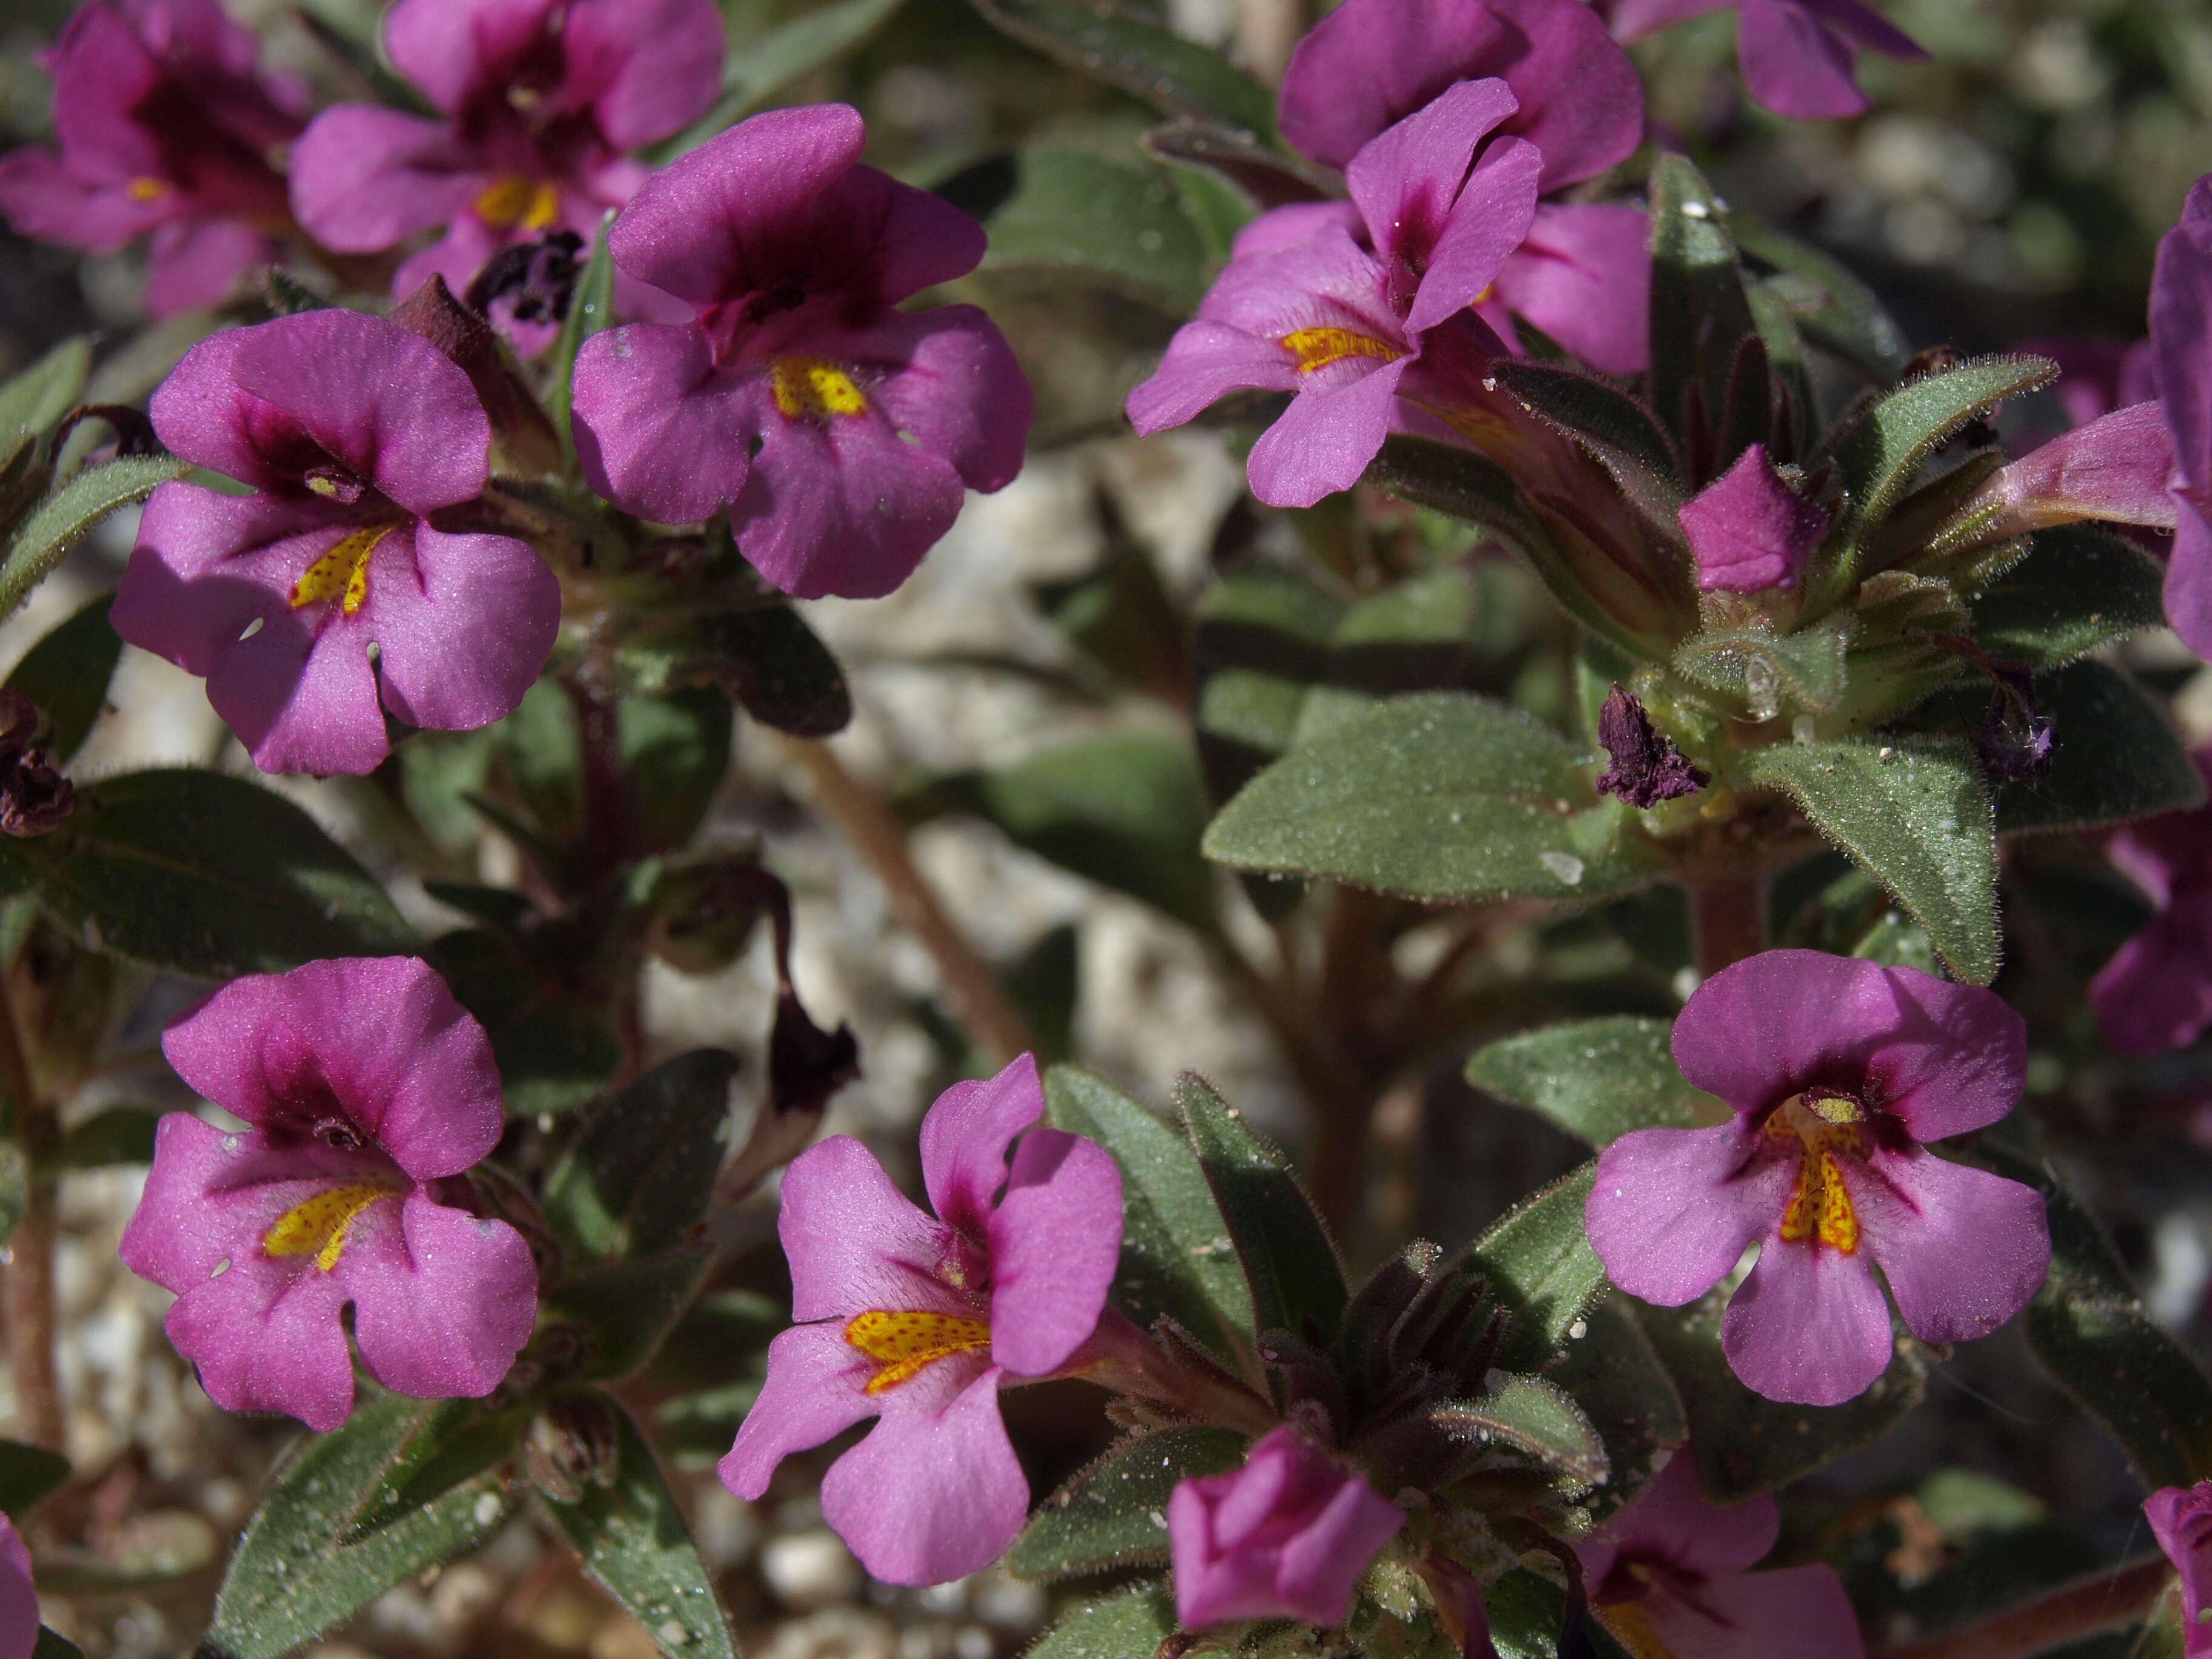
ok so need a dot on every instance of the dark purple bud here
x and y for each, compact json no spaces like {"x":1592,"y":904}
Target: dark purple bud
{"x":539,"y":278}
{"x":1647,"y":768}
{"x":36,"y":799}
{"x":2014,"y":741}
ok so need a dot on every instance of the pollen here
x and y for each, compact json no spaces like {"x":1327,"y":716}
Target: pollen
{"x":1317,"y":347}
{"x":1819,"y":1207}
{"x":902,"y":1343}
{"x":807,"y":385}
{"x":319,"y":1226}
{"x":342,"y":573}
{"x":511,"y":201}
{"x":146,"y":190}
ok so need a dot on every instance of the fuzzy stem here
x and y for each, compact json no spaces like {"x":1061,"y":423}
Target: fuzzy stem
{"x":2103,"y":1601}
{"x":1727,"y":905}
{"x":29,"y":1282}
{"x":979,"y":1002}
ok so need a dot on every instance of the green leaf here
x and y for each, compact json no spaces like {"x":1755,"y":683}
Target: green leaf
{"x":121,"y":1134}
{"x":2076,"y":588}
{"x":35,"y":400}
{"x":1592,"y":410}
{"x":1526,"y":1611}
{"x":555,"y":1051}
{"x":1290,"y":1263}
{"x":1840,"y":314}
{"x":776,"y":667}
{"x":2114,"y":757}
{"x":590,"y":308}
{"x":1177,"y":1257}
{"x":66,"y":674}
{"x":675,"y":751}
{"x":1745,"y":1443}
{"x":1129,"y":1624}
{"x":1541,"y":1269}
{"x":1417,"y":635}
{"x":2090,"y":1331}
{"x":15,"y":1187}
{"x":633,"y":1541}
{"x":27,"y":1474}
{"x":1916,"y":816}
{"x":1111,"y":1514}
{"x":1766,"y":672}
{"x":1122,"y":222}
{"x":621,"y":1312}
{"x":54,"y":1646}
{"x":1613,"y":1374}
{"x":1167,"y":71}
{"x":1439,"y":796}
{"x":756,"y":71}
{"x":1699,"y":317}
{"x":67,"y":515}
{"x":639,"y":1176}
{"x":207,"y":875}
{"x":1537,"y":1418}
{"x":291,"y":1579}
{"x":1596,"y":1078}
{"x":1261,"y":642}
{"x":451,"y":1440}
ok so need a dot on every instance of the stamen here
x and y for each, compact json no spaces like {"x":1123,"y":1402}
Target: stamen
{"x":1317,"y":347}
{"x":512,"y":200}
{"x":1819,"y":1207}
{"x":807,"y":385}
{"x":900,"y":1344}
{"x":319,"y":1226}
{"x":342,"y":571}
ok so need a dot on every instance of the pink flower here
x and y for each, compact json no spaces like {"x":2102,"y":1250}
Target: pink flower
{"x":352,"y":431}
{"x":919,"y":1321}
{"x":1799,"y":58}
{"x":2181,"y":348}
{"x":1285,"y":1537}
{"x":838,"y":430}
{"x":1667,"y":1575}
{"x":1583,"y":273}
{"x":19,"y":1598}
{"x":542,"y":99}
{"x":1749,"y":530}
{"x":2182,"y":1523}
{"x":2116,"y":469}
{"x":2156,"y":992}
{"x":1305,"y":309}
{"x":2097,"y":376}
{"x":1838,"y":1070}
{"x":366,"y":1087}
{"x":167,"y":127}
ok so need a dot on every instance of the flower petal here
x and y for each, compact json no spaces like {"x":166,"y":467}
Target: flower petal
{"x":1406,"y":181}
{"x":1488,"y":222}
{"x":856,"y":1241}
{"x":964,"y":1139}
{"x":1584,"y":277}
{"x":1800,"y":1611}
{"x":366,"y":178}
{"x":2189,"y":576}
{"x":1320,"y":1565}
{"x":1672,"y":1210}
{"x":1809,"y":1326}
{"x":1205,"y":362}
{"x":443,"y":1300}
{"x":658,"y":432}
{"x":1670,"y":1522}
{"x":457,"y":50}
{"x":814,"y":1392}
{"x":1963,"y":1250}
{"x":2155,"y":994}
{"x":462,"y":627}
{"x":953,"y":388}
{"x":1055,"y":1244}
{"x":1795,"y":64}
{"x":1325,"y":440}
{"x":646,"y":68}
{"x":194,"y":263}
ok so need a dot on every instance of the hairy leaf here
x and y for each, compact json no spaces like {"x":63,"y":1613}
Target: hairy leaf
{"x":1537,"y":1418}
{"x":617,"y":1316}
{"x":590,"y":308}
{"x":451,"y":1440}
{"x":555,"y":1050}
{"x":1699,"y":317}
{"x":1765,"y":670}
{"x":776,"y":667}
{"x":2114,"y":757}
{"x":1595,"y":1079}
{"x":1130,"y":1624}
{"x":1842,"y":314}
{"x":1121,"y":222}
{"x":1175,"y":75}
{"x":67,"y":515}
{"x":1613,"y":1374}
{"x":1592,"y":410}
{"x":1541,"y":1269}
{"x":2077,"y":588}
{"x":35,"y":400}
{"x":120,"y":1134}
{"x":639,"y":1176}
{"x":66,"y":674}
{"x":756,"y":71}
{"x":1113,"y":1514}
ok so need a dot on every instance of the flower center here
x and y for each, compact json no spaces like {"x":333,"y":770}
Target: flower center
{"x":807,"y":385}
{"x":1824,"y":1126}
{"x":1317,"y":347}
{"x":900,"y":1344}
{"x":342,"y":573}
{"x":146,"y":190}
{"x":511,"y":200}
{"x":318,"y":1226}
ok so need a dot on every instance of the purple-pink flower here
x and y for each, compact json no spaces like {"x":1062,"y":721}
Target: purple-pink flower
{"x":919,"y":1320}
{"x":1583,"y":274}
{"x":1305,"y":309}
{"x":542,"y":98}
{"x":1285,"y":1537}
{"x":19,"y":1597}
{"x":365,"y":1089}
{"x":1669,"y":1575}
{"x":1838,"y":1070}
{"x":353,"y":431}
{"x":2181,"y":1520}
{"x":1799,"y":58}
{"x":167,"y":127}
{"x":2115,"y":469}
{"x":1749,"y":530}
{"x":2181,"y":348}
{"x":2097,"y":376}
{"x":839,"y":431}
{"x":2156,"y":992}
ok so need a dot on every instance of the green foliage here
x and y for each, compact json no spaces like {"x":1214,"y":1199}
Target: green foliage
{"x":555,"y":1050}
{"x":1526,"y":1611}
{"x":1130,"y":1624}
{"x":66,"y":674}
{"x":1612,"y":1373}
{"x":1834,"y":309}
{"x":68,"y":515}
{"x":2113,"y":758}
{"x":767,"y":657}
{"x":590,"y":308}
{"x":293,"y":1575}
{"x":1436,"y":796}
{"x":640,"y":1175}
{"x":1764,"y":671}
{"x":1593,"y":410}
{"x":607,"y":1322}
{"x":756,"y":71}
{"x":1164,"y":69}
{"x":1699,"y":317}
{"x":1119,"y":221}
{"x":1916,"y":816}
{"x":2078,"y":587}
{"x":1595,"y":1079}
{"x":121,"y":1134}
{"x":633,"y":1541}
{"x":28,"y":1473}
{"x":1112,"y":1514}
{"x":1290,"y":1261}
{"x":1541,"y":1269}
{"x":451,"y":1440}
{"x":35,"y":400}
{"x":1177,"y":1257}
{"x":1537,"y":1418}
{"x":203,"y":874}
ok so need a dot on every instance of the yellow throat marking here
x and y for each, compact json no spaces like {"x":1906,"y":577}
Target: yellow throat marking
{"x":511,"y":201}
{"x":1317,"y":347}
{"x":807,"y":385}
{"x":900,"y":1344}
{"x":318,"y":1226}
{"x":342,"y":573}
{"x":1820,"y":1208}
{"x":144,"y":189}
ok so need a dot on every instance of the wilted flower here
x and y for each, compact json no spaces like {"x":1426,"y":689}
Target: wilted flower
{"x":2181,"y":346}
{"x":1344,"y":328}
{"x":352,"y":431}
{"x":1799,"y":58}
{"x":542,"y":98}
{"x":1285,"y":1537}
{"x":921,"y":1320}
{"x":1749,"y":530}
{"x":2156,"y":992}
{"x":36,"y":799}
{"x":1646,"y":768}
{"x":366,"y":1087}
{"x":839,"y":429}
{"x":2181,"y":1521}
{"x":165,"y":126}
{"x":1838,"y":1070}
{"x":1669,"y":1575}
